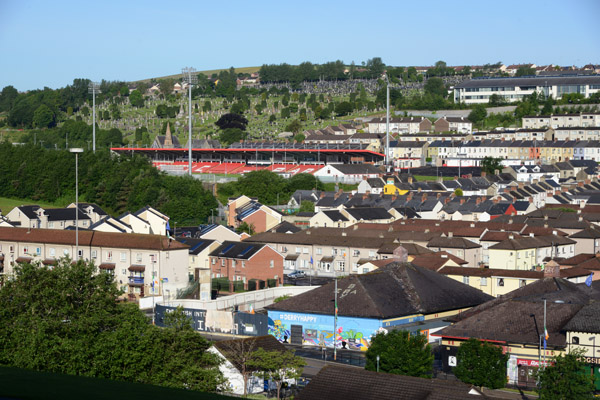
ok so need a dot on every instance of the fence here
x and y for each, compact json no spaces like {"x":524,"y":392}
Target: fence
{"x":243,"y":301}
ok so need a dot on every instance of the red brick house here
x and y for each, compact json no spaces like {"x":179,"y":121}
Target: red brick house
{"x":243,"y":261}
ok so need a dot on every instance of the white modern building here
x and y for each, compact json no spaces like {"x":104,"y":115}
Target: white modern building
{"x":514,"y":89}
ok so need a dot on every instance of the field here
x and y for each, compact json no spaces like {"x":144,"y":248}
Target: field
{"x":244,"y":70}
{"x":18,"y":383}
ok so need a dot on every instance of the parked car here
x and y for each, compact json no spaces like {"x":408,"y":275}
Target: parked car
{"x":296,"y":274}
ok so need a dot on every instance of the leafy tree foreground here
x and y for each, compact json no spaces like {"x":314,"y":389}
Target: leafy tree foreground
{"x":67,"y":320}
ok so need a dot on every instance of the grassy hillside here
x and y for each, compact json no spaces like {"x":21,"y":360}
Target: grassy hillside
{"x":243,"y":70}
{"x":7,"y":204}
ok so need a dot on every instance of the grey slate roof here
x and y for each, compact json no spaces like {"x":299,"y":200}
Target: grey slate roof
{"x":398,"y":289}
{"x":368,"y":213}
{"x":335,"y":215}
{"x":586,"y":320}
{"x":336,"y":382}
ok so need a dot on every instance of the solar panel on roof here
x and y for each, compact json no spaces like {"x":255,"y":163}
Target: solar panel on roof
{"x":196,"y":246}
{"x":226,"y":249}
{"x":243,"y":253}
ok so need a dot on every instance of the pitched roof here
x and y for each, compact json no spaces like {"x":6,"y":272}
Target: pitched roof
{"x":586,"y":320}
{"x":90,"y":238}
{"x":238,"y":250}
{"x":368,"y":213}
{"x":519,"y":315}
{"x":335,"y":382}
{"x":395,"y":290}
{"x":335,"y":215}
{"x":452,"y":243}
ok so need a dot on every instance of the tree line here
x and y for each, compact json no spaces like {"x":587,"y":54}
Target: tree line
{"x":116,"y":183}
{"x":44,"y":108}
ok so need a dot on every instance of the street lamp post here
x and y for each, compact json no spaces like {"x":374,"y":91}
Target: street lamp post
{"x":76,"y":150}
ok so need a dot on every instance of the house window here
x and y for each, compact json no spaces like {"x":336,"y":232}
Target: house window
{"x":123,"y":257}
{"x":575,"y":340}
{"x":38,"y":251}
{"x":25,"y":250}
{"x":62,"y":224}
{"x":522,"y":282}
{"x":214,"y":261}
{"x":365,"y":270}
{"x":223,"y":262}
{"x":271,"y":263}
{"x":243,"y":264}
{"x":94,"y":253}
{"x":334,"y":252}
{"x":500,"y":281}
{"x":466,"y":280}
{"x":80,"y":253}
{"x":52,"y":251}
{"x":483,"y":281}
{"x":371,"y":254}
{"x":108,"y":255}
{"x":298,"y":250}
{"x":123,"y":272}
{"x":284,"y":249}
{"x":354,"y":266}
{"x":11,"y":249}
{"x":50,"y":225}
{"x":319,"y":251}
{"x":138,"y":257}
{"x":232,"y":263}
{"x":305,"y":250}
{"x":341,"y":265}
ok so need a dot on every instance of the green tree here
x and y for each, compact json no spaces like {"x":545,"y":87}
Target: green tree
{"x":232,"y":120}
{"x":458,"y":192}
{"x":299,"y":138}
{"x":304,"y":181}
{"x":85,"y":111}
{"x":263,"y":184}
{"x":43,"y":117}
{"x":400,"y":353}
{"x":136,"y":99}
{"x":477,"y":114}
{"x":343,"y":108}
{"x":307,"y":206}
{"x":285,"y":112}
{"x":231,"y":135}
{"x":247,"y":228}
{"x":435,"y":86}
{"x":565,"y":380}
{"x":295,"y":126}
{"x":482,"y":364}
{"x":491,"y":164}
{"x":277,"y":366}
{"x":178,"y":320}
{"x":525,"y":70}
{"x":207,"y":106}
{"x":67,"y":320}
{"x":496,"y":100}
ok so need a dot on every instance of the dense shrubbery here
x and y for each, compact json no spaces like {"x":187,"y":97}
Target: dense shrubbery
{"x":67,"y":320}
{"x":116,"y":183}
{"x":269,"y":187}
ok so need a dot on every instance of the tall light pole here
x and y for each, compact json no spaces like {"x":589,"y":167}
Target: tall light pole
{"x":189,"y":76}
{"x":387,"y":122}
{"x":76,"y":150}
{"x":94,"y":88}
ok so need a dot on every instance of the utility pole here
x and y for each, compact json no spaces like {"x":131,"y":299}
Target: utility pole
{"x":94,"y":88}
{"x":189,"y":75}
{"x":335,"y":318}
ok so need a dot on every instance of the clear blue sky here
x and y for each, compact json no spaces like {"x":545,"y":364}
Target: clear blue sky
{"x":49,"y":43}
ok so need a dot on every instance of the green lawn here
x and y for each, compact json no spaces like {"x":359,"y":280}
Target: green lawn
{"x":23,"y":384}
{"x":7,"y":204}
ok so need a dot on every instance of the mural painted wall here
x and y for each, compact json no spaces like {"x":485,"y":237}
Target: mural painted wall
{"x":317,"y":329}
